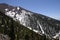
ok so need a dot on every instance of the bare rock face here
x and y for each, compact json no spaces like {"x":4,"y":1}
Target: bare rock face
{"x":4,"y":37}
{"x":38,"y":23}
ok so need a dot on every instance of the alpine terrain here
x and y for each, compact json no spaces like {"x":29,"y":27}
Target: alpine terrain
{"x":40,"y":25}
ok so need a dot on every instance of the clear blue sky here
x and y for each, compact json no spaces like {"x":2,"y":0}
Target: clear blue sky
{"x":49,"y":8}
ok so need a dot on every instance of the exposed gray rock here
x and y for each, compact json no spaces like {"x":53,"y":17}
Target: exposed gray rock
{"x":4,"y":37}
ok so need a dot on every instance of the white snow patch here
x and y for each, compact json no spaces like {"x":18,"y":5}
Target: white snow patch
{"x":17,"y":16}
{"x":18,"y":8}
{"x":29,"y":28}
{"x":6,"y":9}
{"x":57,"y":35}
{"x":33,"y":29}
{"x":40,"y":27}
{"x":10,"y":13}
{"x":13,"y":9}
{"x":23,"y":11}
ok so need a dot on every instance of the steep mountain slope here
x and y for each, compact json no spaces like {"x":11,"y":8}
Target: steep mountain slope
{"x":12,"y":30}
{"x":38,"y":23}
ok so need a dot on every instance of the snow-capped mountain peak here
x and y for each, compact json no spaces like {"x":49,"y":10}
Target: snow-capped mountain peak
{"x":36,"y":22}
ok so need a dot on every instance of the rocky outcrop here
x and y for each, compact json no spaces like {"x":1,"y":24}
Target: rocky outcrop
{"x":4,"y":37}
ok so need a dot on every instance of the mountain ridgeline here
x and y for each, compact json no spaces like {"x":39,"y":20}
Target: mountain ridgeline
{"x":21,"y":24}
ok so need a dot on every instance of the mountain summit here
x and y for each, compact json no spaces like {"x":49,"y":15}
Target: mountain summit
{"x":38,"y":23}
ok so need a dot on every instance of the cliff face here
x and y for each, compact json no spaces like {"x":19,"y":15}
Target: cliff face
{"x":38,"y":23}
